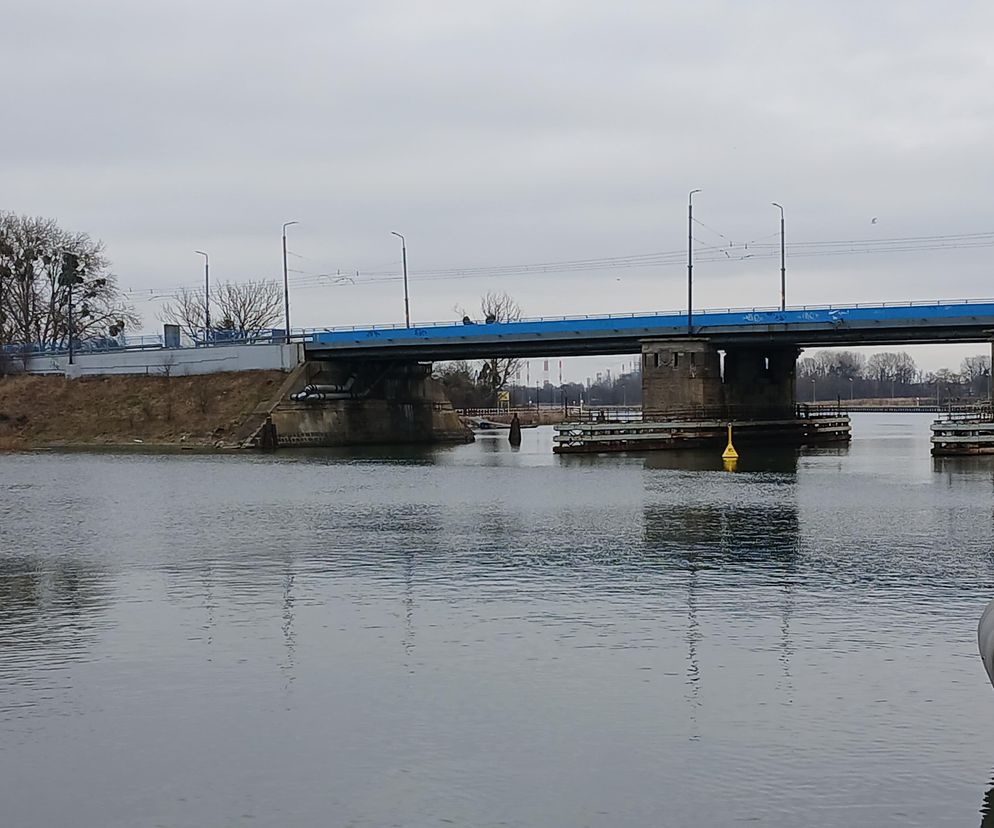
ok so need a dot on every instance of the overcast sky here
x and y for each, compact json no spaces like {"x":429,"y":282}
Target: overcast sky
{"x":507,"y":133}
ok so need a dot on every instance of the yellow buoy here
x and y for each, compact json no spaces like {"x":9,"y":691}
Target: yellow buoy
{"x":729,"y":453}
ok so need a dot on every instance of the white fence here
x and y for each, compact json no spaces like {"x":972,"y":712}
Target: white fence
{"x":175,"y":362}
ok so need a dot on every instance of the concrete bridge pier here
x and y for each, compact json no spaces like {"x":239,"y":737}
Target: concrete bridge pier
{"x":692,"y":388}
{"x":342,"y":402}
{"x":680,"y":376}
{"x":761,"y":381}
{"x":687,"y":376}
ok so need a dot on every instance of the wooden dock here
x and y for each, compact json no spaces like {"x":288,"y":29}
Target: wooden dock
{"x":963,"y":435}
{"x":592,"y":437}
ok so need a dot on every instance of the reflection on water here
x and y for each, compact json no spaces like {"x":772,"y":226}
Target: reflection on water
{"x":754,"y":460}
{"x":47,"y":612}
{"x":478,"y":635}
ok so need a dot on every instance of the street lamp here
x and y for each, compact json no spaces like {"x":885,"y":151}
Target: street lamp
{"x":851,"y":386}
{"x":690,"y":262}
{"x":407,"y":306}
{"x":812,"y":389}
{"x":207,"y":296}
{"x":286,"y":285}
{"x":783,"y":261}
{"x":70,"y":264}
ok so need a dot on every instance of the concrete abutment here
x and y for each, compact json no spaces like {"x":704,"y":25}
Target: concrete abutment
{"x":360,"y":403}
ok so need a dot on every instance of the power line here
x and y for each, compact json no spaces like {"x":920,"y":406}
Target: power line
{"x":705,"y":253}
{"x":707,"y":227}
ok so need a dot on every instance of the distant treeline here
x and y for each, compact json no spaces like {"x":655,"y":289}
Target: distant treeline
{"x":831,"y":375}
{"x":823,"y":376}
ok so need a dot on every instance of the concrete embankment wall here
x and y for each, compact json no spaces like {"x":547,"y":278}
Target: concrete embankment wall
{"x":175,"y":362}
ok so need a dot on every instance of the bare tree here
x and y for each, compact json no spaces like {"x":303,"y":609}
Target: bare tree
{"x":42,"y":266}
{"x":976,"y":372}
{"x":461,"y":386}
{"x":189,"y":311}
{"x":972,"y":368}
{"x":498,"y":307}
{"x":896,"y":368}
{"x":905,"y":368}
{"x":243,"y":309}
{"x":249,"y":307}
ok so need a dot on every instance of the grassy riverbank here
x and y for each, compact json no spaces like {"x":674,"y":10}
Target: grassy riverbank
{"x":44,"y":411}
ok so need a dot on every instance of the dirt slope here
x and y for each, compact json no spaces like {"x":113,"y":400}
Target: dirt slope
{"x":37,"y":411}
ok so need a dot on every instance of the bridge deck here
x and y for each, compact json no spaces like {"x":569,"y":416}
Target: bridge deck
{"x":887,"y":324}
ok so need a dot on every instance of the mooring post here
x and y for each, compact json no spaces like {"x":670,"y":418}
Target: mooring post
{"x":514,"y":437}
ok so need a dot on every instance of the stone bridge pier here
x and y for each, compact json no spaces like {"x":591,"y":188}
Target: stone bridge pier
{"x":691,"y":377}
{"x":761,"y":380}
{"x":694,"y":389}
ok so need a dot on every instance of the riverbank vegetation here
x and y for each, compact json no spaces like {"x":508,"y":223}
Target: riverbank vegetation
{"x":53,"y":283}
{"x":40,"y":411}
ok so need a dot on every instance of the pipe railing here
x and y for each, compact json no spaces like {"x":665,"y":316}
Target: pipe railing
{"x":677,"y":314}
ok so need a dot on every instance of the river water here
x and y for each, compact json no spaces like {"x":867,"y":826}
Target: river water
{"x":479,"y":636}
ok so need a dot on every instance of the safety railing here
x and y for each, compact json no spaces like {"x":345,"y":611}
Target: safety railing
{"x":721,"y":413}
{"x":677,"y":314}
{"x":101,"y":345}
{"x":977,"y":412}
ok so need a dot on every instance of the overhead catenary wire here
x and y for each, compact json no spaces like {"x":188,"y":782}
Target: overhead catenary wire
{"x":705,"y":253}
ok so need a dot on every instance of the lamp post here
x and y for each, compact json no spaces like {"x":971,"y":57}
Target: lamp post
{"x":207,"y":296}
{"x":690,"y":262}
{"x":407,"y":305}
{"x":72,"y":278}
{"x":851,"y":386}
{"x":286,"y":285}
{"x":783,"y":260}
{"x":812,"y":389}
{"x":70,"y":265}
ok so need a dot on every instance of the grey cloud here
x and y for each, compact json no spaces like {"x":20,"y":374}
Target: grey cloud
{"x":502,"y":133}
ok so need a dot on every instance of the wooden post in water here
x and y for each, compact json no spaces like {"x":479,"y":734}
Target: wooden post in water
{"x":514,"y":436}
{"x":268,"y":438}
